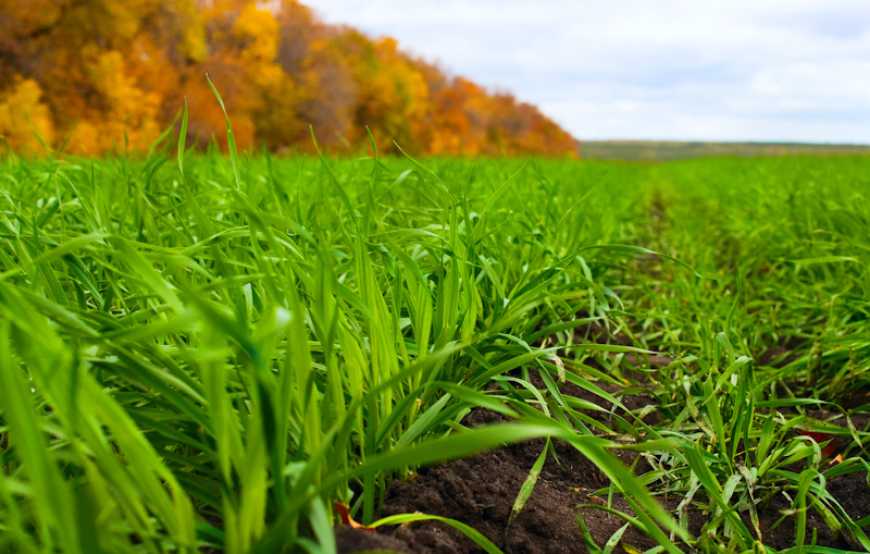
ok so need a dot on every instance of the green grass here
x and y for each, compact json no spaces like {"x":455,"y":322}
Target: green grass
{"x":662,"y":150}
{"x":207,"y":352}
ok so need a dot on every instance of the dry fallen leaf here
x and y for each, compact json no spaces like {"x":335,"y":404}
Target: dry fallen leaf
{"x":344,"y":514}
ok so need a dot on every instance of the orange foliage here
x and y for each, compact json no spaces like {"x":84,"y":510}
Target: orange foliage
{"x":25,"y":122}
{"x":106,"y":76}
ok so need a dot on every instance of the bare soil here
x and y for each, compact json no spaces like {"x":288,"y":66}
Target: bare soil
{"x":480,"y":491}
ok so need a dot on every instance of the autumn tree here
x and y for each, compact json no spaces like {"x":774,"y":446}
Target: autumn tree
{"x":96,"y":76}
{"x":25,"y":121}
{"x":104,"y":67}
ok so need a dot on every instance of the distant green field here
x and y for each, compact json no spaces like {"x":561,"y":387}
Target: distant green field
{"x":681,"y":150}
{"x":205,"y":354}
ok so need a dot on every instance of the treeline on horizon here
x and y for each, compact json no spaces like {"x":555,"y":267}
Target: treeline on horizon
{"x":102,"y":76}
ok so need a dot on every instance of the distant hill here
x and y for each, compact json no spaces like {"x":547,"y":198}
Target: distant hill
{"x":675,"y":150}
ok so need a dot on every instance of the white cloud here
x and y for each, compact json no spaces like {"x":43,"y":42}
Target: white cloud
{"x":761,"y":70}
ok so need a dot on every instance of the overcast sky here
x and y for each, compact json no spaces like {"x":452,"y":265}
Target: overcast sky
{"x":781,"y":70}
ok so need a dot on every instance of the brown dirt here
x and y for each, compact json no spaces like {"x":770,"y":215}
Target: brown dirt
{"x":356,"y":540}
{"x":480,"y":491}
{"x":851,"y":491}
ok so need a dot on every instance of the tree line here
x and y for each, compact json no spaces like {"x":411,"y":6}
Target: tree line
{"x":101,"y":76}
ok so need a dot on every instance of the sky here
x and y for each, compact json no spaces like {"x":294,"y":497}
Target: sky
{"x":759,"y":70}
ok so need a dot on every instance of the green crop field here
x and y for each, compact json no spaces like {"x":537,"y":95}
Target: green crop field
{"x":222,"y":354}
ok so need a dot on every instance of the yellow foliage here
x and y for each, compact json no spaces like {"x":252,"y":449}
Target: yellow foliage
{"x":107,"y":75}
{"x":25,"y":122}
{"x":24,"y":17}
{"x":130,"y":118}
{"x":84,"y":138}
{"x":259,"y":29}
